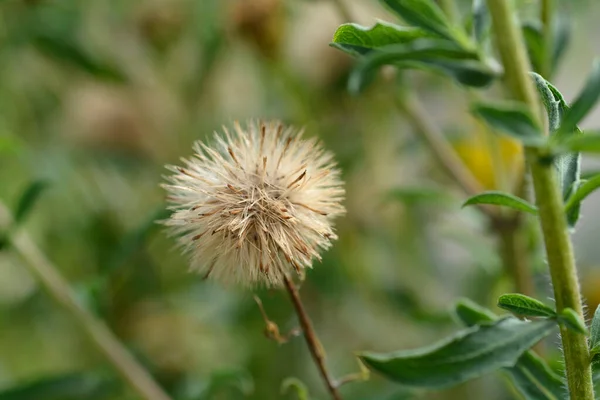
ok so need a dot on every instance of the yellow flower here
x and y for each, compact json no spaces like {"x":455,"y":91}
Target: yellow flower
{"x":496,"y":161}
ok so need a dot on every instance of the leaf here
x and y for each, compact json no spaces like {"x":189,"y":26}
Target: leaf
{"x":502,"y":199}
{"x":584,"y":102}
{"x":574,"y":209}
{"x":297,"y":385}
{"x":423,"y":53}
{"x":469,"y":354}
{"x":551,"y":104}
{"x":64,"y":387}
{"x":357,"y":40}
{"x":470,"y":313}
{"x":535,"y":380}
{"x":511,"y":118}
{"x":481,"y":19}
{"x":588,"y":143}
{"x":65,"y":49}
{"x":424,"y":14}
{"x":241,"y":381}
{"x":524,"y":305}
{"x":417,"y":195}
{"x":531,"y":376}
{"x":569,"y":318}
{"x":595,"y":331}
{"x":534,"y":41}
{"x":28,"y":199}
{"x":561,"y":39}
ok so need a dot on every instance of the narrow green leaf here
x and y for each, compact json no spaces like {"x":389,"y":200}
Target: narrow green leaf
{"x":588,"y":143}
{"x":569,"y":318}
{"x":584,"y":101}
{"x":534,"y":379}
{"x":423,"y":52}
{"x":595,"y":332}
{"x":524,"y":305}
{"x":551,"y":104}
{"x":424,"y":14}
{"x":359,"y":40}
{"x":471,"y":353}
{"x":502,"y":199}
{"x":297,"y":386}
{"x":28,"y":199}
{"x":534,"y":41}
{"x":63,"y":387}
{"x":471,"y":313}
{"x":481,"y":19}
{"x":573,"y":206}
{"x":531,"y":376}
{"x":513,"y":119}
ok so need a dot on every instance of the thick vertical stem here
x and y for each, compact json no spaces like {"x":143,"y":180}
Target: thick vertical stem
{"x":557,"y":241}
{"x":315,"y":347}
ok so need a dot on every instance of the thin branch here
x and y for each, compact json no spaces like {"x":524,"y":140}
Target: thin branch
{"x":343,"y":10}
{"x":132,"y":372}
{"x":315,"y":347}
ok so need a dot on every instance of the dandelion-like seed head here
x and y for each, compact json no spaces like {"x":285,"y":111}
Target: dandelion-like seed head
{"x":255,"y":206}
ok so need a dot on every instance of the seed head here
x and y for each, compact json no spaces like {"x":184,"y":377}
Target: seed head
{"x":256,"y":205}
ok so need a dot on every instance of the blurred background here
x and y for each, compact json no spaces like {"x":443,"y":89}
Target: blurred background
{"x":97,"y":96}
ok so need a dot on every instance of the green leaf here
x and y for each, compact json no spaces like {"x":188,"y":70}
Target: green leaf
{"x":239,"y":381}
{"x":588,"y":143}
{"x":524,"y":305}
{"x":418,"y":195}
{"x":584,"y":101}
{"x":28,"y":199}
{"x":531,"y":376}
{"x":551,"y":104}
{"x":437,"y":54}
{"x":511,"y":118}
{"x":595,"y":332}
{"x":469,"y":354}
{"x":471,"y":313}
{"x":424,"y":14}
{"x":569,"y":318}
{"x":297,"y":385}
{"x":66,"y":50}
{"x":573,"y":206}
{"x":359,"y":40}
{"x":481,"y":19}
{"x":502,"y":199}
{"x":535,"y":380}
{"x":534,"y":41}
{"x":64,"y":387}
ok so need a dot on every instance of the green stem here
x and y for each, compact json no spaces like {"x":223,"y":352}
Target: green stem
{"x":514,"y":254}
{"x":559,"y":250}
{"x":546,"y":14}
{"x":49,"y":277}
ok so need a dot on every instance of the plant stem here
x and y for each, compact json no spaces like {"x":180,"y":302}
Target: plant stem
{"x":558,"y":245}
{"x":315,"y":347}
{"x":546,"y":15}
{"x":343,"y":10}
{"x":449,"y":9}
{"x":513,"y":253}
{"x":442,"y":151}
{"x":47,"y":274}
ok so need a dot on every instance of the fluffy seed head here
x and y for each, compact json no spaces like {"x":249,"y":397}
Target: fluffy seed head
{"x":256,"y":205}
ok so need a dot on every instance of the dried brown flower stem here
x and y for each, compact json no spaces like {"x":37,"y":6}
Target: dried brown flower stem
{"x":48,"y":275}
{"x":315,"y":347}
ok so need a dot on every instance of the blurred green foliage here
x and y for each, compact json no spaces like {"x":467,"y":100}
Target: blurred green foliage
{"x":97,"y":96}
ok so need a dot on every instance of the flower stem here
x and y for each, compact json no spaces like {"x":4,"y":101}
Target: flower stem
{"x":47,"y":274}
{"x":513,"y":253}
{"x":558,"y":245}
{"x":315,"y":347}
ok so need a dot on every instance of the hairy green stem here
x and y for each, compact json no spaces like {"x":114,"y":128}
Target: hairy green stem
{"x":559,"y":250}
{"x":49,"y":277}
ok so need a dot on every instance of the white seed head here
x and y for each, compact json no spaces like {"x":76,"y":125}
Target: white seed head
{"x":256,"y":205}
